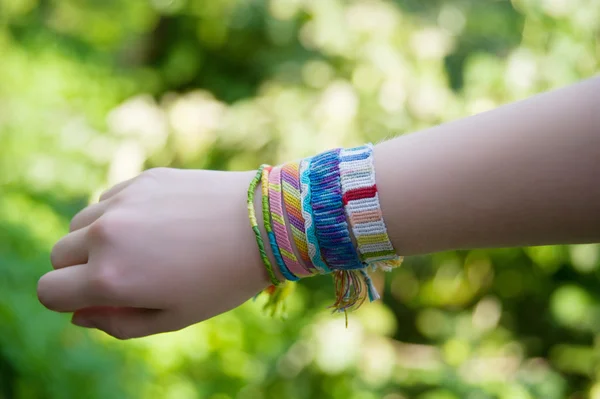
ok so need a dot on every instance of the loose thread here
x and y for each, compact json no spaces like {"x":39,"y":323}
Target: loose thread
{"x":351,"y":290}
{"x":372,"y":291}
{"x":276,"y":303}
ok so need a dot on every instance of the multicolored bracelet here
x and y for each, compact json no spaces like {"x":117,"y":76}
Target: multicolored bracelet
{"x":363,"y":210}
{"x":269,"y":227}
{"x":328,"y":211}
{"x":327,"y":199}
{"x":290,"y":183}
{"x":314,"y":249}
{"x":279,"y":226}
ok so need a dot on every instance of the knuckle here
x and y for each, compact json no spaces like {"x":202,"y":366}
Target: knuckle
{"x":112,"y":225}
{"x":105,"y":282}
{"x":104,"y":228}
{"x":100,"y":229}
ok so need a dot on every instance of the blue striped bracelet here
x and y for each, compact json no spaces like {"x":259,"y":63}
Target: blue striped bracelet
{"x":328,"y":211}
{"x":314,"y":249}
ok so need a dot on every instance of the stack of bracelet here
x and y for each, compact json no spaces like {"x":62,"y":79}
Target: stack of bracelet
{"x":321,"y":203}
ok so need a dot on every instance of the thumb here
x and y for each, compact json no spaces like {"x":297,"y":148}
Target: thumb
{"x":125,"y":323}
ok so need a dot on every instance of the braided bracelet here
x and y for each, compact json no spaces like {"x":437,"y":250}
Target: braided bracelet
{"x":290,"y":183}
{"x":363,"y":211}
{"x":279,"y":227}
{"x":328,"y":210}
{"x":254,"y":225}
{"x":269,"y":228}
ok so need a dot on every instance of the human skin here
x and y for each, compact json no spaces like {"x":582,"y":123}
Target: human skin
{"x":171,"y":247}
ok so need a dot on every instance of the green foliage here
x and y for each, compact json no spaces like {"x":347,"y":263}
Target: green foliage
{"x":94,"y":92}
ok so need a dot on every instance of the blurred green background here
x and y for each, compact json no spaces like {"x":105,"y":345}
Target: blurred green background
{"x":93,"y":92}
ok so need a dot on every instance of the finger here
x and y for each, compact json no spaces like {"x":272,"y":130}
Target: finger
{"x":75,"y":287}
{"x":88,"y":215}
{"x":114,"y":190}
{"x":64,"y":289}
{"x":126,"y":323}
{"x":70,"y":250}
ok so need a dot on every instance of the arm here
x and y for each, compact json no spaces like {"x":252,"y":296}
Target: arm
{"x":524,"y":174}
{"x":173,"y":247}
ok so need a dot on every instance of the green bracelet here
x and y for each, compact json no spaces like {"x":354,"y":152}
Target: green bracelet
{"x":254,"y":225}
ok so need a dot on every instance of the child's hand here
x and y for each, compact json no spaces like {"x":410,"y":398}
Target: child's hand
{"x":158,"y":253}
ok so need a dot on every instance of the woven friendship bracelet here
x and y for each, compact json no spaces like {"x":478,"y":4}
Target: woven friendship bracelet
{"x":269,"y":228}
{"x":279,"y":227}
{"x":314,"y":249}
{"x":330,"y":221}
{"x":327,"y":199}
{"x":254,"y":225}
{"x":290,"y":183}
{"x":363,"y":211}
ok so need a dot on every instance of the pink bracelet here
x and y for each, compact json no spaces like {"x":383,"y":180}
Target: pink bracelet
{"x":283,"y":240}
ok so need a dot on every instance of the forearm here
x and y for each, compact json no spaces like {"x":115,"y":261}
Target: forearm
{"x":524,"y":174}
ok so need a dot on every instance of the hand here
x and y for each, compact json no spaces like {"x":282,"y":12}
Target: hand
{"x":160,"y":252}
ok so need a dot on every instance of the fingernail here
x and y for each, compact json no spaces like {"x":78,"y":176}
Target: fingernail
{"x":82,"y":321}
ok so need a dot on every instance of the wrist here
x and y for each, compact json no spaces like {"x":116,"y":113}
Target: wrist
{"x":241,"y":247}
